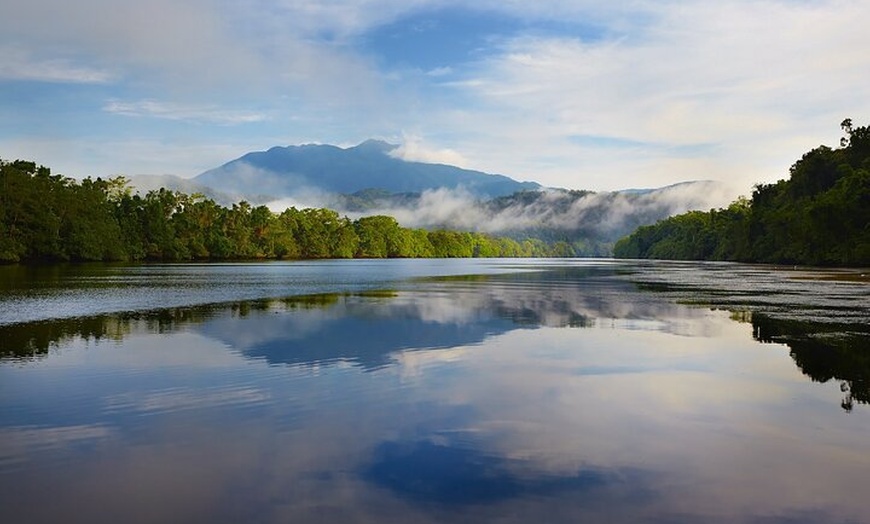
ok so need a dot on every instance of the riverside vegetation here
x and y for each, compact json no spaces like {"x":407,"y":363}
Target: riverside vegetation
{"x":819,"y":216}
{"x":49,"y":217}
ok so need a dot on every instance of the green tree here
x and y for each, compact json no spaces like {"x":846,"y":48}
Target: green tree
{"x":50,"y":217}
{"x":820,"y":215}
{"x":381,"y":237}
{"x":88,"y":229}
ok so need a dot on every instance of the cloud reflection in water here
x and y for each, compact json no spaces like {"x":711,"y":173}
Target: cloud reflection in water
{"x":556,"y":397}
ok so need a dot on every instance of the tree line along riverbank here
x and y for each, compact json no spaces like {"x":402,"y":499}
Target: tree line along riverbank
{"x":49,"y":217}
{"x":819,"y":216}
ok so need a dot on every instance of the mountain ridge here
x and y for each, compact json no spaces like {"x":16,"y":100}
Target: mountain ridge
{"x":368,"y":179}
{"x":285,"y":170}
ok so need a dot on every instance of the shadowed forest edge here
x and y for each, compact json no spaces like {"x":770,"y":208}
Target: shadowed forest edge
{"x":820,"y":216}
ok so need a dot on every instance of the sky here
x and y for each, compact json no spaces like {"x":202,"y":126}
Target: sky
{"x":578,"y":94}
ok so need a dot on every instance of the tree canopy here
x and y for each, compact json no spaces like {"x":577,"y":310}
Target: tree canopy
{"x":47,"y":217}
{"x":820,"y":216}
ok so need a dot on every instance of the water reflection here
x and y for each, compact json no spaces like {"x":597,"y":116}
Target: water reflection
{"x":557,"y":396}
{"x":824,"y":352}
{"x":439,"y":475}
{"x":368,"y":329}
{"x":823,"y":316}
{"x":362,"y":330}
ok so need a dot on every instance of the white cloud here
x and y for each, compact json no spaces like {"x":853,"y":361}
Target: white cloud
{"x":192,"y":47}
{"x":303,"y":197}
{"x":440,"y":72}
{"x":761,"y":82}
{"x":161,"y":35}
{"x":17,"y":64}
{"x":731,"y":90}
{"x":413,"y":149}
{"x":172,"y":111}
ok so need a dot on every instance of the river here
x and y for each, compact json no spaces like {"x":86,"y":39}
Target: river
{"x":434,"y":391}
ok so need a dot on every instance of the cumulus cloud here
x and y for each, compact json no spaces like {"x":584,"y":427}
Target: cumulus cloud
{"x":727,"y":75}
{"x":413,"y":149}
{"x":692,"y":90}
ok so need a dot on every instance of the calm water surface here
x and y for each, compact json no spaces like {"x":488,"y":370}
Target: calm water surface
{"x":434,"y":391}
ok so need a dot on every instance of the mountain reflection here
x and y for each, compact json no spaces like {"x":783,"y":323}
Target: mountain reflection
{"x":368,"y":329}
{"x":361,"y":330}
{"x":560,"y":396}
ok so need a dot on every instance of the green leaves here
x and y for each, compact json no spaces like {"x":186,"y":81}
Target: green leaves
{"x":49,"y":217}
{"x":820,"y":216}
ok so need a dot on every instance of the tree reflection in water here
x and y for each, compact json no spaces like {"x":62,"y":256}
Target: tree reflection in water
{"x":366,"y":329}
{"x":824,"y":352}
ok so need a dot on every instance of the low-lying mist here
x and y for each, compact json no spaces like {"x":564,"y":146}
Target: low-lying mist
{"x":604,"y":216}
{"x":551,"y":214}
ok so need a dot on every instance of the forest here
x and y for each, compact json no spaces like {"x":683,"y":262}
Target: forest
{"x":819,"y":216}
{"x":47,"y":217}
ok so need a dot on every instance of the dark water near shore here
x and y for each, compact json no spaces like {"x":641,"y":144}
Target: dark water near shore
{"x":434,"y":391}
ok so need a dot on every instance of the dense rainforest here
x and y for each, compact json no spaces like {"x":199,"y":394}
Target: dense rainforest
{"x":819,"y":216}
{"x":47,"y":217}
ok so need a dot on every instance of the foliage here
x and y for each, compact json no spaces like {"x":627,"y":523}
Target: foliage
{"x":819,"y":216}
{"x":45,"y":217}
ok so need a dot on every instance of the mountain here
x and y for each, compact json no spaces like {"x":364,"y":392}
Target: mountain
{"x":288,"y":171}
{"x":368,"y":179}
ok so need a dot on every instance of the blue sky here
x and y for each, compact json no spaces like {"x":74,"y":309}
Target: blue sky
{"x":580,"y":94}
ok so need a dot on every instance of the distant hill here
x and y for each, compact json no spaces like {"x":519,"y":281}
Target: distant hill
{"x":592,"y":221}
{"x":288,"y":171}
{"x":605,"y":216}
